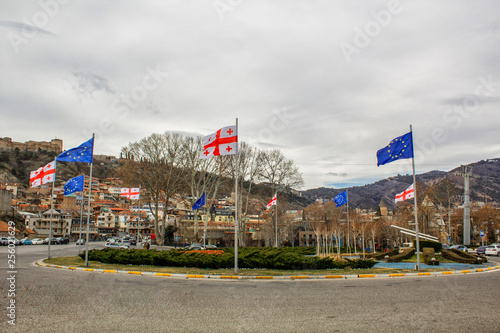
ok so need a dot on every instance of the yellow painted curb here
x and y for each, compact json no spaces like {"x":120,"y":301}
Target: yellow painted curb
{"x":58,"y":266}
{"x":395,"y":275}
{"x":163,"y":274}
{"x":447,"y":272}
{"x":334,"y":277}
{"x":299,"y":277}
{"x":73,"y":268}
{"x":109,"y":271}
{"x":496,"y":267}
{"x":264,"y":277}
{"x":46,"y":265}
{"x":424,"y":273}
{"x":467,"y":271}
{"x":228,"y":277}
{"x":366,"y":275}
{"x":479,"y":270}
{"x":195,"y":276}
{"x":89,"y":269}
{"x":132,"y":272}
{"x":489,"y":269}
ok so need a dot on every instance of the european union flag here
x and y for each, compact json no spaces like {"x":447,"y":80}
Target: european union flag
{"x":73,"y":185}
{"x":82,"y":153}
{"x":340,"y":199}
{"x":400,"y":147}
{"x":200,"y":202}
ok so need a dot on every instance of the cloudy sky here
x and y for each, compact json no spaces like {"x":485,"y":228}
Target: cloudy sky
{"x":327,"y":82}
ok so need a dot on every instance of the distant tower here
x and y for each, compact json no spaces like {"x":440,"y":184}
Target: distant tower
{"x":383,"y":207}
{"x":467,"y":174}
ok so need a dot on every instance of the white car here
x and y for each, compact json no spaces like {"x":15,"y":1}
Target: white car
{"x":492,"y":250}
{"x":37,"y":241}
{"x":115,"y":246}
{"x":81,"y":241}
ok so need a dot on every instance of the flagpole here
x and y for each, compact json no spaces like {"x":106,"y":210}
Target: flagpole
{"x":51,"y":210}
{"x":88,"y":211}
{"x":205,"y":225}
{"x":415,"y":201}
{"x":81,"y":215}
{"x":236,"y":207}
{"x":276,"y":220}
{"x":348,"y":227}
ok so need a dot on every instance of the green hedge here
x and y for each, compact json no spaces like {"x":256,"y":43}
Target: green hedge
{"x":406,"y":254}
{"x":298,"y":258}
{"x":423,"y":243}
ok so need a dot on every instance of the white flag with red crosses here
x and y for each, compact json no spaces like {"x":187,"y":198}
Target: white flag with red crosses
{"x":131,"y":193}
{"x":43,"y":175}
{"x":222,"y":142}
{"x":406,"y":194}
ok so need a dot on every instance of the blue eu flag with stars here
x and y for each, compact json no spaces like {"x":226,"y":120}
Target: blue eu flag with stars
{"x":200,"y":202}
{"x":74,"y":185}
{"x":400,"y":147}
{"x":82,"y":153}
{"x":340,"y":199}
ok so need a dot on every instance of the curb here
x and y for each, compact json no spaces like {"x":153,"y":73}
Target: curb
{"x":264,"y":277}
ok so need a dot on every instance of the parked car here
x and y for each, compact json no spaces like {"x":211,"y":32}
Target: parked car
{"x":37,"y":241}
{"x":81,"y":241}
{"x":481,"y":250}
{"x":492,"y":250}
{"x":62,"y":240}
{"x":52,"y":241}
{"x":4,"y":241}
{"x":210,"y":246}
{"x":26,"y":241}
{"x":460,"y":248}
{"x":196,"y":246}
{"x":445,"y":247}
{"x":115,"y":246}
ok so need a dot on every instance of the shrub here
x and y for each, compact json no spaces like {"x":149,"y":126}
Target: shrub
{"x":271,"y":258}
{"x":423,"y":243}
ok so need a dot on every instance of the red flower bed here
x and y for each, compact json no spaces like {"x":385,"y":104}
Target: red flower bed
{"x":206,"y":251}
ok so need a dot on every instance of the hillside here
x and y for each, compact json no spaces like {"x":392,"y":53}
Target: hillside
{"x":15,"y":166}
{"x":484,"y":185}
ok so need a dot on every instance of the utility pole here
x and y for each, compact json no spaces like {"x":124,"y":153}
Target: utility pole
{"x":467,"y":174}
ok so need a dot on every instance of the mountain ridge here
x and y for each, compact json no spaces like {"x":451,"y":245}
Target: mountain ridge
{"x":484,"y":186}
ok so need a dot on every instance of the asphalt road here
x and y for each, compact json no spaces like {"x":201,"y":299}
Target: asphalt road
{"x":56,"y":300}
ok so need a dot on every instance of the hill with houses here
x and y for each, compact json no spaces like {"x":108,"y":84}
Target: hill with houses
{"x":484,"y":186}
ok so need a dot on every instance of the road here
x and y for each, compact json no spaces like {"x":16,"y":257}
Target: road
{"x":57,"y":300}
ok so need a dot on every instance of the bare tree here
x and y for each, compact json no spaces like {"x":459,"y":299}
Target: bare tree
{"x":315,"y":215}
{"x":334,"y":215}
{"x":153,"y":163}
{"x":279,"y":172}
{"x":248,"y":171}
{"x":203,"y":175}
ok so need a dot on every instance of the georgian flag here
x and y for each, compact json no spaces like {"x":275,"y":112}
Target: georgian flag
{"x":272,"y":202}
{"x":43,"y":175}
{"x":131,"y":193}
{"x":406,"y":194}
{"x":222,"y":142}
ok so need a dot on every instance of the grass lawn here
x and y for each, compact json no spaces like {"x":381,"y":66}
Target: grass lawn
{"x":79,"y":262}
